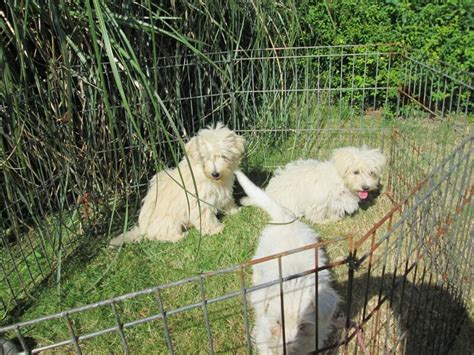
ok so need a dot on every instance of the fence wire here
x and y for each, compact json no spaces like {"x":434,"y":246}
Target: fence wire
{"x":79,"y":177}
{"x":408,"y":280}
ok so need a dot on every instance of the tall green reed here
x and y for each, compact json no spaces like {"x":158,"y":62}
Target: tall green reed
{"x":90,"y":107}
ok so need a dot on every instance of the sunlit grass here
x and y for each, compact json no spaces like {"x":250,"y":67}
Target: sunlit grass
{"x":96,"y":273}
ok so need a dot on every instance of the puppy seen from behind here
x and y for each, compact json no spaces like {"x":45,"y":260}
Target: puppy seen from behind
{"x":296,"y":327}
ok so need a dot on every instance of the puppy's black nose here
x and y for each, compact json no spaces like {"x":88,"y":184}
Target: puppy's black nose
{"x":365,"y":188}
{"x":215,"y":175}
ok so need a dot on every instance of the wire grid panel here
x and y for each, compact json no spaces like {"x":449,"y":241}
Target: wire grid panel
{"x":405,"y":284}
{"x":76,"y":177}
{"x":342,"y":93}
{"x":416,"y":262}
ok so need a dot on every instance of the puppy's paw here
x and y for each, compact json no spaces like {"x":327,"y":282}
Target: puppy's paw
{"x":232,"y":210}
{"x":173,"y":238}
{"x":246,"y":201}
{"x":132,"y":235}
{"x":118,"y":241}
{"x":115,"y":242}
{"x":214,"y":230}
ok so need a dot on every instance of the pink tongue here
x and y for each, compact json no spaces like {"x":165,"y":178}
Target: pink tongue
{"x":363,"y":195}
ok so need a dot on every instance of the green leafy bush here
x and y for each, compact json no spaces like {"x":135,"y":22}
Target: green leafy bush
{"x":440,"y":31}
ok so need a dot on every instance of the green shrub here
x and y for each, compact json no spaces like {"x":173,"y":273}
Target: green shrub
{"x":440,"y":31}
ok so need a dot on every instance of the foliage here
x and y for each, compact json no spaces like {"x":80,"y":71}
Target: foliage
{"x":442,"y":32}
{"x":83,"y":84}
{"x":90,"y":100}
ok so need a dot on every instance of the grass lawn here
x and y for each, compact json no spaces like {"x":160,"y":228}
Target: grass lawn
{"x":137,"y":266}
{"x":95,"y":272}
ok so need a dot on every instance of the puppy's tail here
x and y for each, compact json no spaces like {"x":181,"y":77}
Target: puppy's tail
{"x":132,"y":235}
{"x":260,"y":199}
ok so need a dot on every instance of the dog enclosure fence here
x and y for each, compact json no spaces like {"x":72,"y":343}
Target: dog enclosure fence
{"x":405,"y":281}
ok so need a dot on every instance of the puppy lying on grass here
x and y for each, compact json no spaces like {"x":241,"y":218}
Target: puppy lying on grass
{"x":325,"y":191}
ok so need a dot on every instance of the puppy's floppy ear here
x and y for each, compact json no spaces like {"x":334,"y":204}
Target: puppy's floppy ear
{"x":192,"y":148}
{"x":342,"y":158}
{"x":240,"y":144}
{"x":379,"y":159}
{"x":276,"y":329}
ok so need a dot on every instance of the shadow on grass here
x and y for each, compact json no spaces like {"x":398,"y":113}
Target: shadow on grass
{"x":429,"y":316}
{"x":77,"y":254}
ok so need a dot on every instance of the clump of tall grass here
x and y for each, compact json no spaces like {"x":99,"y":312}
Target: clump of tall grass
{"x":90,"y":96}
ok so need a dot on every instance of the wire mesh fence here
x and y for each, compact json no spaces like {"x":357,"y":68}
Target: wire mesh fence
{"x":405,"y":281}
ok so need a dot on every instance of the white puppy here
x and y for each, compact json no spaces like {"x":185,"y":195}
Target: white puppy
{"x":299,"y":294}
{"x":325,"y":191}
{"x":191,"y":194}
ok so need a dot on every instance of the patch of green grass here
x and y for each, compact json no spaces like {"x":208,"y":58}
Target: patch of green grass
{"x":147,"y":264}
{"x":96,"y":273}
{"x":25,"y":263}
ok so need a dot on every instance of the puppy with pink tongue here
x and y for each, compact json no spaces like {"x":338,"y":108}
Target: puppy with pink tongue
{"x":363,"y":194}
{"x":326,"y":191}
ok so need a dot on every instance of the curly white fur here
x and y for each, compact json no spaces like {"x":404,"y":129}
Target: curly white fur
{"x":299,"y":293}
{"x":325,"y":191}
{"x":171,"y":203}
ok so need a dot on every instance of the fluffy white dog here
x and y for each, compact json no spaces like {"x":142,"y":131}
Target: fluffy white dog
{"x":299,"y":294}
{"x":191,"y":194}
{"x":325,"y":191}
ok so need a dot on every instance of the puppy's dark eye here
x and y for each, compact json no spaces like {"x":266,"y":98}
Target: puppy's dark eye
{"x":372,"y":173}
{"x":356,"y":172}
